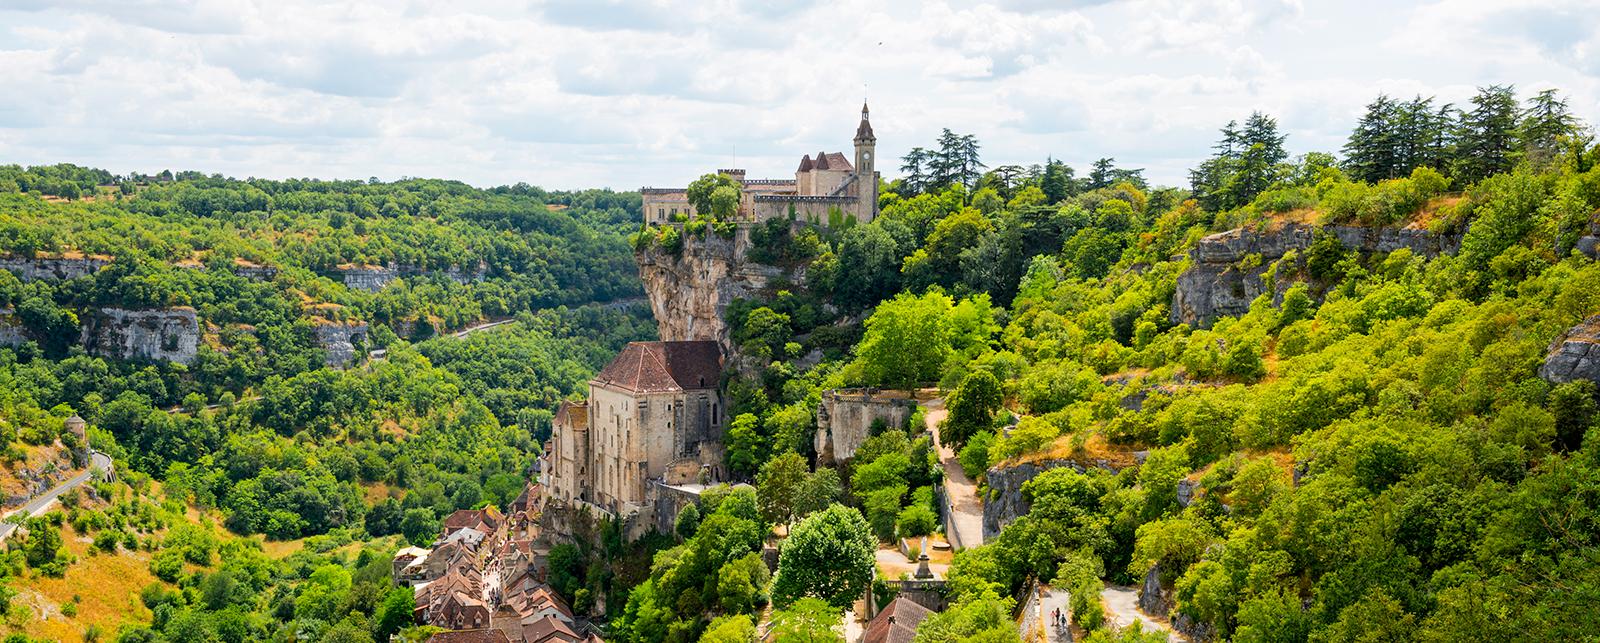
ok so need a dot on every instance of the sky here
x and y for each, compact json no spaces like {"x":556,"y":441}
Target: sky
{"x":570,"y":94}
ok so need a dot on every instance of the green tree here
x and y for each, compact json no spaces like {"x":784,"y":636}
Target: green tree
{"x":906,"y":341}
{"x":702,"y":193}
{"x":1487,"y":135}
{"x":807,"y":620}
{"x":746,"y":445}
{"x":972,"y":407}
{"x":829,"y":555}
{"x":737,"y":628}
{"x":779,"y":484}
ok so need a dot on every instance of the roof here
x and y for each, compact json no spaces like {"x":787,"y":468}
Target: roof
{"x":549,"y":628}
{"x":573,"y":413}
{"x":897,"y":623}
{"x":470,"y":636}
{"x":649,"y":367}
{"x":864,"y":130}
{"x":805,"y":164}
{"x":833,"y":161}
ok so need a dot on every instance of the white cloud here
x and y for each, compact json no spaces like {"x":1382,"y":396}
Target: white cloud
{"x":575,"y":93}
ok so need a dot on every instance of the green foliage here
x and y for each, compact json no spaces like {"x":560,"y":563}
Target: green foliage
{"x":972,"y":407}
{"x":807,"y":620}
{"x":828,"y":556}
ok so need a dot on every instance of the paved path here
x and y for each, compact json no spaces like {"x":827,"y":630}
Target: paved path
{"x":1122,"y":609}
{"x":1036,"y":623}
{"x":38,"y":505}
{"x":966,"y":512}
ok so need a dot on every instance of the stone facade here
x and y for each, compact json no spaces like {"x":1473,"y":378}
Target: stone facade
{"x":169,"y":334}
{"x":653,"y":420}
{"x":1221,"y":283}
{"x":824,"y":190}
{"x":845,"y":418}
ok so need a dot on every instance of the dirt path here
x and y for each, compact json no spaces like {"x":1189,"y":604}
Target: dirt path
{"x":1037,"y":622}
{"x":966,"y":512}
{"x":1122,"y":610}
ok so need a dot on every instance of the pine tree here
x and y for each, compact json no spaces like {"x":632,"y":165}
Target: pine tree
{"x":1057,"y":183}
{"x":1545,"y":122}
{"x":915,"y":164}
{"x":1369,"y":153}
{"x":1100,"y":175}
{"x":945,"y":166}
{"x":1487,"y":135}
{"x":970,"y":166}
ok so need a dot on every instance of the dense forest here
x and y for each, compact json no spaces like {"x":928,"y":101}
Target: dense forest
{"x":329,"y":469}
{"x":1367,"y":452}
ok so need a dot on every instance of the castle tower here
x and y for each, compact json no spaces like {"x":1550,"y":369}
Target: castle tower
{"x":867,"y":174}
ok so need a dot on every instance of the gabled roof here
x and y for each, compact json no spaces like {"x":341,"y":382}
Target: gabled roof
{"x":806,"y":164}
{"x":897,"y":623}
{"x":652,"y":367}
{"x":833,"y":161}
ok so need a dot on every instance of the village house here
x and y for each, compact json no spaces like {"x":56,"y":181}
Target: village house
{"x":825,"y":189}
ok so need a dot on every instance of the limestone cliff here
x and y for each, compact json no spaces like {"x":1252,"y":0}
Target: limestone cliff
{"x":1575,"y":354}
{"x":1225,"y":269}
{"x":689,"y":290}
{"x":1003,"y":501}
{"x":341,"y":341}
{"x":170,"y":334}
{"x":68,"y":266}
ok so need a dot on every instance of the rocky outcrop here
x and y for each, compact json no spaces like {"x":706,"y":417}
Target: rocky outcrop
{"x":1225,"y":271}
{"x":1575,"y":354}
{"x":341,"y":341}
{"x":1589,"y":244}
{"x":1003,"y":501}
{"x":845,"y":418}
{"x":689,"y":290}
{"x":171,"y":334}
{"x":12,"y":332}
{"x":368,"y":278}
{"x":1157,"y":599}
{"x":53,"y":268}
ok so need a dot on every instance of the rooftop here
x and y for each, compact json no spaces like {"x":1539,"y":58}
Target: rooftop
{"x":651,"y":367}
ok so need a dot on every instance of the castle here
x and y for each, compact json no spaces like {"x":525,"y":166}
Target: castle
{"x":647,"y":440}
{"x":824,"y":189}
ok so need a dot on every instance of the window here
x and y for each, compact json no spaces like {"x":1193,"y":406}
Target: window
{"x":661,"y":213}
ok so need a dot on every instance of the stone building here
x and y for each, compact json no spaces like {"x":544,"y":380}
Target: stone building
{"x":845,"y":419}
{"x":653,"y":421}
{"x":824,"y":189}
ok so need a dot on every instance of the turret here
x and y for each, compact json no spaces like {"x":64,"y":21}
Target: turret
{"x":866,"y":168}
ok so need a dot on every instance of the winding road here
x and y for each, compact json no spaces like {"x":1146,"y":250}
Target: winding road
{"x":97,"y":462}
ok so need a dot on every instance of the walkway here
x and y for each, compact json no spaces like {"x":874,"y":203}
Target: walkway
{"x":97,"y":461}
{"x":1122,"y":609}
{"x":965,"y":528}
{"x":1035,"y":624}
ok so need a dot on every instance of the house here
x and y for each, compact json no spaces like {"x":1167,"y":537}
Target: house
{"x":470,"y":636}
{"x":825,"y":189}
{"x":897,"y":623}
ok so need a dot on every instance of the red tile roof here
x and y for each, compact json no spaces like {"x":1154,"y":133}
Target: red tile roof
{"x":470,"y":636}
{"x":573,"y":413}
{"x":897,"y":623}
{"x":651,"y":367}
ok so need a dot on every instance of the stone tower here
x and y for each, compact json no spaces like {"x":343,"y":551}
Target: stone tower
{"x":866,"y":169}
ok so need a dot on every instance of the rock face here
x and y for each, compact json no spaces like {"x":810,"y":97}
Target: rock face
{"x":1003,"y":502}
{"x":1220,"y":283}
{"x":54,"y":268}
{"x":368,"y":278}
{"x":1589,"y":244}
{"x":340,"y":340}
{"x":171,"y":334}
{"x":1575,"y":354}
{"x":689,"y":291}
{"x":845,"y":418}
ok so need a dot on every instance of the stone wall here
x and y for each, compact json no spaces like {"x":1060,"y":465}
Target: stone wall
{"x":54,"y":268}
{"x":1218,"y":285}
{"x":845,"y":418}
{"x":171,"y":334}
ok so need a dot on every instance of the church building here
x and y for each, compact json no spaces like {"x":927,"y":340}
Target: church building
{"x":650,"y":432}
{"x":826,"y":189}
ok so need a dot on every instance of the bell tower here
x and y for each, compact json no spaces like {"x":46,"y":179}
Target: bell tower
{"x":866,"y":168}
{"x":866,"y":145}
